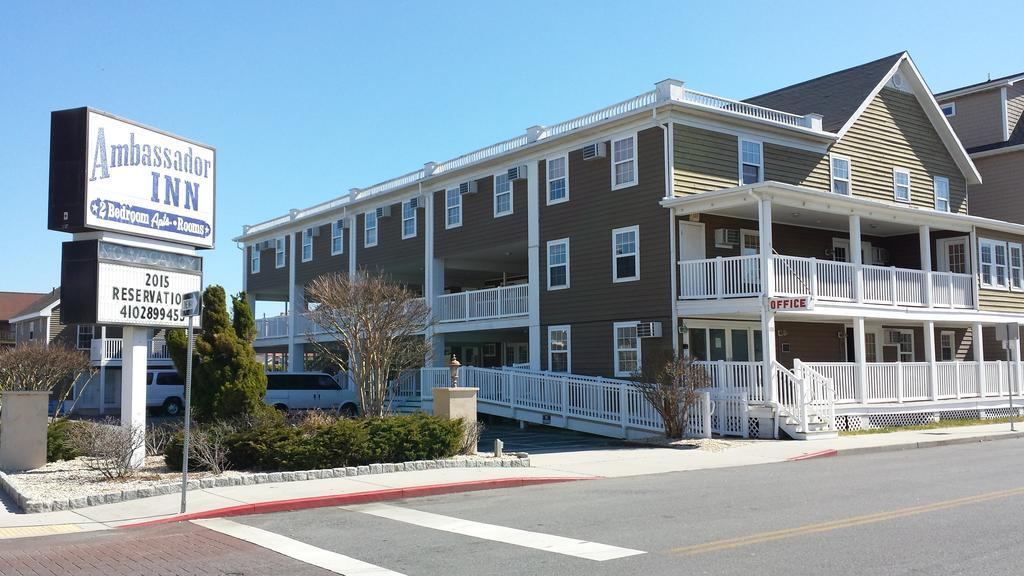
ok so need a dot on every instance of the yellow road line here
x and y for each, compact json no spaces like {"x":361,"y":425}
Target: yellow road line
{"x":762,"y":537}
{"x":29,"y":531}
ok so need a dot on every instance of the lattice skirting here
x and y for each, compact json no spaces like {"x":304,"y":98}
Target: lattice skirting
{"x":898,"y":419}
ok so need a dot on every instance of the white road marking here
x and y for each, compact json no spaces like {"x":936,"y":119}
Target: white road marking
{"x":536,"y":540}
{"x":300,"y":551}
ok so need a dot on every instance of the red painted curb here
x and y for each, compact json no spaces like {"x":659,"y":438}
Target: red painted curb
{"x":809,"y":455}
{"x":359,"y":498}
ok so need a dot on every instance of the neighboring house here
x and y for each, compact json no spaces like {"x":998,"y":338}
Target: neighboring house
{"x":12,"y":303}
{"x":41,"y":322}
{"x":989,"y":119}
{"x":599,"y":244}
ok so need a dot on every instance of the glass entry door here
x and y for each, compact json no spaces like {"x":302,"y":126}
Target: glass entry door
{"x":729,"y":344}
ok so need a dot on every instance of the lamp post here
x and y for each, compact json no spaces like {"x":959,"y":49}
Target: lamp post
{"x":454,"y":367}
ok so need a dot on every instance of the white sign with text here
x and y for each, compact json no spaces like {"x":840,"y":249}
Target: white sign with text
{"x":136,"y":296}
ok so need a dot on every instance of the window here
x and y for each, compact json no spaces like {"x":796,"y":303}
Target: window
{"x":941,"y":193}
{"x":453,"y":208}
{"x":626,"y":254}
{"x":949,"y":109}
{"x":904,"y":341}
{"x":254,"y":259}
{"x":558,"y":180}
{"x":840,"y":174}
{"x":370,"y":229}
{"x":337,"y":239}
{"x":947,"y":341}
{"x":623,"y":162}
{"x":408,"y":220}
{"x":558,"y":264}
{"x":307,"y":244}
{"x":559,"y":354}
{"x":901,"y":184}
{"x":992,"y":256}
{"x":502,"y":195}
{"x":870,"y":353}
{"x":627,"y":349}
{"x":279,"y":252}
{"x":1016,"y":269}
{"x":85,"y":336}
{"x":751,"y":162}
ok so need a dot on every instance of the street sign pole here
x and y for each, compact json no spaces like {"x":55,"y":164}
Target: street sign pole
{"x":1009,"y":335}
{"x":191,"y":305}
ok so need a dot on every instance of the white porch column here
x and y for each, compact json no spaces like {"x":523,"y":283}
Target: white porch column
{"x":533,"y":259}
{"x":860,"y":357}
{"x":1015,"y":370}
{"x":929,"y":356}
{"x":856,"y":257}
{"x":768,"y":350}
{"x":103,"y":370}
{"x":764,"y":225}
{"x":979,"y":356}
{"x":296,"y":361}
{"x":133,"y":384}
{"x":924,"y":235}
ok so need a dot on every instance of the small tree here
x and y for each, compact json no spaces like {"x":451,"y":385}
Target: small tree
{"x":671,"y":387}
{"x":227,"y":381}
{"x":37,"y":366}
{"x":377,"y":324}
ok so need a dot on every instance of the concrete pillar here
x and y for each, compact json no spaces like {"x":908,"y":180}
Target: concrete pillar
{"x":103,"y":371}
{"x":296,"y":307}
{"x":929,"y":356}
{"x":533,"y":259}
{"x":133,"y":385}
{"x":979,"y":355}
{"x":857,"y":257}
{"x":860,"y":357}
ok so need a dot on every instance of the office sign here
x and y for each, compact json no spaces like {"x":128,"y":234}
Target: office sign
{"x":776,"y":304}
{"x":107,"y":173}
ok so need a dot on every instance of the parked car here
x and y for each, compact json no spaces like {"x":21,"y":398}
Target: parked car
{"x":165,"y":390}
{"x":309,"y":390}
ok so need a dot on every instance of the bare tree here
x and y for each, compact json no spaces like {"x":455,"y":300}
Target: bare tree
{"x":378,"y":325}
{"x":109,"y":447}
{"x":42,"y":367}
{"x":671,"y":387}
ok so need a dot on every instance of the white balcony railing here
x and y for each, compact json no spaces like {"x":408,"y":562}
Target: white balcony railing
{"x":825,"y":280}
{"x":502,"y":302}
{"x":112,"y":348}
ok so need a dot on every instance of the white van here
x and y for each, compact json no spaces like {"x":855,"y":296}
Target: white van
{"x":309,"y":390}
{"x":166,"y":390}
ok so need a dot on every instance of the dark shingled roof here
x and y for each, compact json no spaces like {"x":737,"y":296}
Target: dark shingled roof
{"x":40,"y":303}
{"x":835,"y":96}
{"x":939,"y":95}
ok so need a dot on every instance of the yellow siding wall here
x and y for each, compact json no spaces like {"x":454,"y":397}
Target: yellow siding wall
{"x":704,"y":160}
{"x":995,"y":299}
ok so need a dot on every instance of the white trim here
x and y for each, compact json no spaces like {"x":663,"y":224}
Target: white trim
{"x":254,"y":259}
{"x":338,"y":233}
{"x":832,"y":178}
{"x":896,"y":185}
{"x":935,"y":193}
{"x":1015,"y":273}
{"x":415,"y":217}
{"x":615,"y":348}
{"x":568,"y":346}
{"x":44,"y":312}
{"x":307,"y":240}
{"x":78,"y":336}
{"x":993,"y":265}
{"x":942,"y":248}
{"x":547,"y":261}
{"x":448,"y":225}
{"x":899,"y":353}
{"x":635,"y":229}
{"x":740,"y":140}
{"x":984,"y":86}
{"x":613,"y":164}
{"x":547,"y":177}
{"x":1004,"y":116}
{"x":280,"y":252}
{"x":367,"y":228}
{"x":952,"y":345}
{"x":951,"y":105}
{"x":511,"y":195}
{"x":996,"y":151}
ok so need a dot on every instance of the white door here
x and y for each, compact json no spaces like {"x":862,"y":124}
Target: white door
{"x":954,"y":255}
{"x":750,"y":245}
{"x":841,"y":251}
{"x":691,"y":241}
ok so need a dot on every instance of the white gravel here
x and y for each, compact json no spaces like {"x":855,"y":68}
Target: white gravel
{"x":706,"y":444}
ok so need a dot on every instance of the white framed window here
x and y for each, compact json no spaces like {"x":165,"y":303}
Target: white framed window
{"x":502,"y":195}
{"x":370,"y":229}
{"x":941,"y":187}
{"x":751,"y":162}
{"x":624,"y":162}
{"x":949,"y":109}
{"x":993,"y":261}
{"x":901,"y":184}
{"x":279,"y":252}
{"x":408,"y":220}
{"x":254,"y":259}
{"x":337,"y":237}
{"x":947,"y":346}
{"x":1016,"y":266}
{"x":452,"y":208}
{"x":85,"y":336}
{"x":841,"y":178}
{"x":903,"y":339}
{"x":559,"y":349}
{"x":558,"y":179}
{"x":627,"y":348}
{"x":307,"y":245}
{"x":558,"y":264}
{"x":626,"y":254}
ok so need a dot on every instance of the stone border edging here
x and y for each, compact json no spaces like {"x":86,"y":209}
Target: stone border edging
{"x":521,"y":460}
{"x":929,"y":444}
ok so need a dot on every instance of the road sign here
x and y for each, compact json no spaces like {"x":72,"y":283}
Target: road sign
{"x":191,"y":304}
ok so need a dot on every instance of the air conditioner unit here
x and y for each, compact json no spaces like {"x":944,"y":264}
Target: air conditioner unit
{"x":384,"y":211}
{"x":414,"y":203}
{"x":468,"y":187}
{"x":313,"y":232}
{"x":726,"y":237}
{"x":594,"y":150}
{"x":517,"y":173}
{"x":648,"y":329}
{"x":267,"y":245}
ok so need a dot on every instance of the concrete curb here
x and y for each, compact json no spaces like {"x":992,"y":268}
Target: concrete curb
{"x":928,"y":444}
{"x":361,"y":498}
{"x":28,"y":506}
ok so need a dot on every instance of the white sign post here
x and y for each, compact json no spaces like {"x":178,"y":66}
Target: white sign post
{"x":1009,"y":334}
{"x":191,"y":306}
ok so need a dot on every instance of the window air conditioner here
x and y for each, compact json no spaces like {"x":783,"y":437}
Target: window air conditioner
{"x":648,"y":329}
{"x":313,"y":232}
{"x":727,"y":237}
{"x":414,"y":202}
{"x":468,"y":187}
{"x":384,"y":211}
{"x":594,"y":150}
{"x":517,"y":173}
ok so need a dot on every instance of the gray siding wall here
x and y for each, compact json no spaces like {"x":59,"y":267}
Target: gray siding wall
{"x":479,"y":226}
{"x":1015,"y":111}
{"x":269,"y":280}
{"x":323,"y":262}
{"x":391,"y":250}
{"x":1001,"y":193}
{"x":978,"y":120}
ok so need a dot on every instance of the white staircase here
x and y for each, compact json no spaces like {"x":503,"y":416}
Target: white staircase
{"x":805,"y":402}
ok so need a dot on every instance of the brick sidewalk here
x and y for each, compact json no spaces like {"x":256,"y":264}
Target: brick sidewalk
{"x":178,"y":549}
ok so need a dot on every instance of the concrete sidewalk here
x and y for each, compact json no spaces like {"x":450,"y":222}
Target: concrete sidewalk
{"x":561,"y":466}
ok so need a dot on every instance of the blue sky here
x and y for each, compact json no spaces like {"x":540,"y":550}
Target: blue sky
{"x":305,"y":100}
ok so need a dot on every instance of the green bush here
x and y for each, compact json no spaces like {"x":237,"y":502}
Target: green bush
{"x":58,"y":440}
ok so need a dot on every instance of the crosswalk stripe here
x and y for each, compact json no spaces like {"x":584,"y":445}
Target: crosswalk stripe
{"x":515,"y":536}
{"x":337,"y":563}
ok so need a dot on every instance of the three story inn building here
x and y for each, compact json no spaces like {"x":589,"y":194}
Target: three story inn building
{"x":678,"y":221}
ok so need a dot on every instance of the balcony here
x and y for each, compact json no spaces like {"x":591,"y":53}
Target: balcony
{"x":491,"y":303}
{"x":107,"y":349}
{"x":825,"y":281}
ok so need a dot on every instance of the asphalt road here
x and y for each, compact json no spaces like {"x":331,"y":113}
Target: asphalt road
{"x":951,"y":510}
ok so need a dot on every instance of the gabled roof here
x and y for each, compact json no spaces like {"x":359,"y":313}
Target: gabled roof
{"x":981,"y":86}
{"x":836,"y":96}
{"x":41,"y":307}
{"x":11,"y":303}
